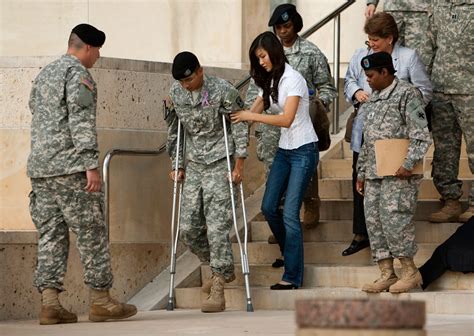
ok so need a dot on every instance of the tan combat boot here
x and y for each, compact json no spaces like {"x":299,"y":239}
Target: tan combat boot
{"x":449,"y":212}
{"x":272,"y":239}
{"x":215,"y":301}
{"x":311,"y":212}
{"x":411,"y":277}
{"x":463,"y":218}
{"x":387,"y":277}
{"x":103,"y":307}
{"x":206,"y":286}
{"x":51,"y":310}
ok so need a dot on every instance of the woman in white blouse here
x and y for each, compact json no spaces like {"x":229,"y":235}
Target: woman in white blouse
{"x":284,"y":90}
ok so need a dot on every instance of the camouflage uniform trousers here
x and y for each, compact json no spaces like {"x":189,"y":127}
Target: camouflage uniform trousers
{"x":267,"y":137}
{"x":414,"y":33}
{"x":452,"y":117}
{"x":58,"y":204}
{"x":206,"y":215}
{"x":389,"y":206}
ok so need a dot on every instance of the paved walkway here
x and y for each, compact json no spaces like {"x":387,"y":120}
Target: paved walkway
{"x":193,"y":322}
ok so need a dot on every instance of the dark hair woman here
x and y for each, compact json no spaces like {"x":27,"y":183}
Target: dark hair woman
{"x":283,"y":90}
{"x":306,"y":58}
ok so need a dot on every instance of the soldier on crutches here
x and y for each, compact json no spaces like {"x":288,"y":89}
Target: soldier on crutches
{"x":206,"y":204}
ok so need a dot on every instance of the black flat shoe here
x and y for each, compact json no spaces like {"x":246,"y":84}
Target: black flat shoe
{"x":356,"y":246}
{"x":279,"y":286}
{"x":278,"y":263}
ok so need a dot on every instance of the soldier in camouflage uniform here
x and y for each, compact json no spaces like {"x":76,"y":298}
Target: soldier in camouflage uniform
{"x":198,"y":103}
{"x":413,"y":21}
{"x":307,"y":59}
{"x":394,"y":111}
{"x":453,"y":104}
{"x":66,"y":183}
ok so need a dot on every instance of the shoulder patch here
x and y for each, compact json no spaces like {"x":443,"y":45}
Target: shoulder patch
{"x":87,"y":83}
{"x":239,"y":102}
{"x":417,"y":113}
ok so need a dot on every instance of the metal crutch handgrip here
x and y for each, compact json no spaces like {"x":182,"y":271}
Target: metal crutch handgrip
{"x":243,"y":250}
{"x":174,"y":235}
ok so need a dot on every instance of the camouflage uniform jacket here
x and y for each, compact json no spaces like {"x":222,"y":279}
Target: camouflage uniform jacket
{"x":403,"y":5}
{"x":63,"y":128}
{"x":394,"y":113}
{"x":453,"y":66}
{"x":308,"y":60}
{"x":202,"y":121}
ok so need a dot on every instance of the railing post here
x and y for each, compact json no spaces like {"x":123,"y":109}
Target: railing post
{"x":337,"y":56}
{"x":106,"y":182}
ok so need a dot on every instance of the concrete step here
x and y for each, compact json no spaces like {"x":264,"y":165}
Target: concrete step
{"x":343,"y":151}
{"x":437,"y":302}
{"x":341,"y":231}
{"x":340,"y":209}
{"x":328,"y":253}
{"x":341,"y":188}
{"x":337,"y":276}
{"x":335,"y":168}
{"x":342,"y":168}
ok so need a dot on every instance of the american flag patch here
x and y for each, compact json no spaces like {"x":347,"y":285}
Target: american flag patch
{"x":87,"y":83}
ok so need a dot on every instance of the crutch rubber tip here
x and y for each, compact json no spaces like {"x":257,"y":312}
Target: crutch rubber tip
{"x":170,"y":306}
{"x":249,"y":308}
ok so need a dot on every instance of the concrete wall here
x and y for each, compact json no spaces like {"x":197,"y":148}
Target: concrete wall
{"x":219,"y":31}
{"x":129,"y":116}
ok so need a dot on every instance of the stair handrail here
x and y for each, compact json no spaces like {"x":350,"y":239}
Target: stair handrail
{"x":106,"y":176}
{"x":334,"y":15}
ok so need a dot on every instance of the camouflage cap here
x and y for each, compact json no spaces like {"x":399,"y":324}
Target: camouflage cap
{"x":184,"y":64}
{"x":377,"y":61}
{"x":89,"y":34}
{"x":282,"y":14}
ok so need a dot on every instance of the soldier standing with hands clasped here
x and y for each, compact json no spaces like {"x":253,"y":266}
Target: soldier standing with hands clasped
{"x":66,"y":183}
{"x":198,"y":102}
{"x":395,"y":110}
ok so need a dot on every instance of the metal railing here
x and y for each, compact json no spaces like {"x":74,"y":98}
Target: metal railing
{"x":106,"y":176}
{"x":336,"y":16}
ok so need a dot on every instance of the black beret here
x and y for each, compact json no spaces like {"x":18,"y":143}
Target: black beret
{"x":184,"y":65}
{"x":376,"y":61}
{"x":282,"y":14}
{"x":89,"y":34}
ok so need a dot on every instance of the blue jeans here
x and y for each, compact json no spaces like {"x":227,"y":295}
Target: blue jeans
{"x":289,"y":175}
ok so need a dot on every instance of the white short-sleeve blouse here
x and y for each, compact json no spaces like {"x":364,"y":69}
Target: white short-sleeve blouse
{"x":301,"y":131}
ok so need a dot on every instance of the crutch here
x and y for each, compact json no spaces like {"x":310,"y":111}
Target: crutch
{"x":175,"y":230}
{"x":243,"y":249}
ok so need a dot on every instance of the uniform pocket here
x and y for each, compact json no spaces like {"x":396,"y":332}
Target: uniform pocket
{"x":407,"y":195}
{"x":42,"y":210}
{"x":86,"y":209}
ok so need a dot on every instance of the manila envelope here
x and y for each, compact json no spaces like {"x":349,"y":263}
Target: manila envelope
{"x":390,"y":154}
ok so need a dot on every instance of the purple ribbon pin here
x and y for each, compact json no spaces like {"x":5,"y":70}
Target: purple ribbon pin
{"x":204,"y":100}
